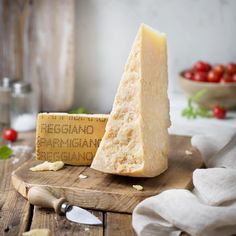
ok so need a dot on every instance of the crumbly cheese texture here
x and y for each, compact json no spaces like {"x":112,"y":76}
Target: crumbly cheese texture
{"x":71,"y":138}
{"x":136,"y":139}
{"x":38,"y":232}
{"x":48,"y":166}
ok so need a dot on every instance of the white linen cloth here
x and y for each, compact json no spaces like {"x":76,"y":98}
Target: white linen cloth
{"x":210,"y":209}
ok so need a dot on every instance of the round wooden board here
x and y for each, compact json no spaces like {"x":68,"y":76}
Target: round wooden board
{"x":111,"y":192}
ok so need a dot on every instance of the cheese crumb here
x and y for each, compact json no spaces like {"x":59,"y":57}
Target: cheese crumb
{"x":138,"y":187}
{"x":48,"y":166}
{"x":187,"y":152}
{"x":83,"y":176}
{"x":38,"y":232}
{"x":15,"y":160}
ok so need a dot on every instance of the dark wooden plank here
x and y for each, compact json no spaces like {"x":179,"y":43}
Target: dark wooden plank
{"x":117,"y":224}
{"x":14,"y":209}
{"x":14,"y":213}
{"x":60,"y":226}
{"x":110,"y":192}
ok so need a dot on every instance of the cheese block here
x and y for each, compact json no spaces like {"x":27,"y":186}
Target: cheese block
{"x":71,"y":138}
{"x":136,"y":138}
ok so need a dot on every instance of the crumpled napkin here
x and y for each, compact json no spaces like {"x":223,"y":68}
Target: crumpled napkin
{"x":210,"y":209}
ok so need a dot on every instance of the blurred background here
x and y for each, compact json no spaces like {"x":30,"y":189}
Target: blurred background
{"x":105,"y":30}
{"x":73,"y":52}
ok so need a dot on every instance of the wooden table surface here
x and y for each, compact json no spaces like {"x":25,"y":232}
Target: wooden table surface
{"x":17,"y":215}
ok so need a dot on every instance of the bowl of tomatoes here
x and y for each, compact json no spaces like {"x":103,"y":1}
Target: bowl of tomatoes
{"x":218,"y":81}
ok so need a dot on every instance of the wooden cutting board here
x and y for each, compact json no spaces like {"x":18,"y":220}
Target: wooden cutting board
{"x":111,"y":192}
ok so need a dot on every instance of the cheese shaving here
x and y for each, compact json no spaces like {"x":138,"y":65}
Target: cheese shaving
{"x":48,"y":166}
{"x":38,"y":232}
{"x":138,"y":187}
{"x":187,"y":152}
{"x":83,"y":176}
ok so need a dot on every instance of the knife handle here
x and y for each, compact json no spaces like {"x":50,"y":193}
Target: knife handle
{"x":41,"y":197}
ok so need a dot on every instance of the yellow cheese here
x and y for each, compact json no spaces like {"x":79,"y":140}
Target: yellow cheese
{"x":138,"y":187}
{"x":38,"y":232}
{"x":136,"y":138}
{"x":57,"y":165}
{"x":70,"y":138}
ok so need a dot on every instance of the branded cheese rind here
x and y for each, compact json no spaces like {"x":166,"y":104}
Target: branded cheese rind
{"x":71,"y":138}
{"x":136,"y":138}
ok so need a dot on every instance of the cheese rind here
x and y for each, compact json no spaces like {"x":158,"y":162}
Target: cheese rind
{"x":136,"y":138}
{"x":71,"y":138}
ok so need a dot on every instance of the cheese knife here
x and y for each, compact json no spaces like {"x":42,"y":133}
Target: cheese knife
{"x":42,"y":197}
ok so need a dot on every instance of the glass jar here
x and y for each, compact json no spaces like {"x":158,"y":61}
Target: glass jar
{"x":5,"y":96}
{"x":24,"y":107}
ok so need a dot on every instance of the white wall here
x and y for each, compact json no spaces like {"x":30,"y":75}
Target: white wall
{"x":196,"y":29}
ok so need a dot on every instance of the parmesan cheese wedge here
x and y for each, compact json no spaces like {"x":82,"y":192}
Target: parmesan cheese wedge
{"x":48,"y":166}
{"x":136,"y":142}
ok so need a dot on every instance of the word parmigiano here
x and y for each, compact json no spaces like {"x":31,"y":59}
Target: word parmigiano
{"x":71,"y":138}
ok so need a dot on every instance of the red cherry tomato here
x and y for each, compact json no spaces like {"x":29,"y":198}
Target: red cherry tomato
{"x":226,"y":79}
{"x":219,"y":112}
{"x":231,"y":68}
{"x":219,"y":69}
{"x":200,"y":77}
{"x":201,"y":66}
{"x":213,"y":77}
{"x":10,"y":135}
{"x":188,"y":75}
{"x":208,"y":67}
{"x":234,"y":78}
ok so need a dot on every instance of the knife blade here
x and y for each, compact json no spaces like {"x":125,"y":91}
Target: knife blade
{"x":42,"y":197}
{"x":77,"y":214}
